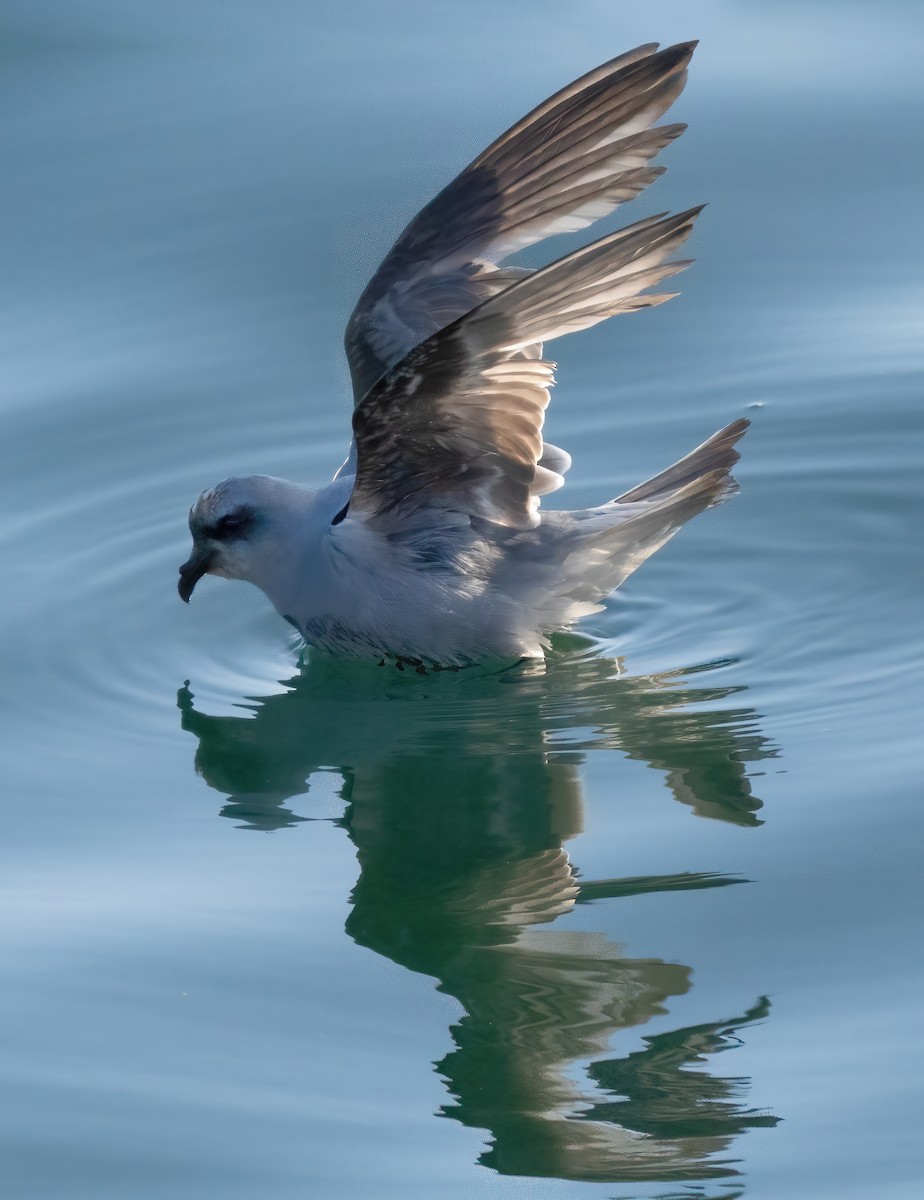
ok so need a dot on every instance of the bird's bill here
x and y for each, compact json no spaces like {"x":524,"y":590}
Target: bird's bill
{"x":197,"y":565}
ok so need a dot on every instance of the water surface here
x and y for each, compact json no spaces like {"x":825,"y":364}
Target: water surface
{"x":642,"y":922}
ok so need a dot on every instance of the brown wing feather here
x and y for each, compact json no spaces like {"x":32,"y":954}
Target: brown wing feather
{"x":570,"y":161}
{"x":458,"y":423}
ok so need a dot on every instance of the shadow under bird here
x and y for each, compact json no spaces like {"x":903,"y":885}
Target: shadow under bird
{"x":429,"y":546}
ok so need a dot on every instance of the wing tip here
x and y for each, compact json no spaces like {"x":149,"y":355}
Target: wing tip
{"x":677,"y":54}
{"x":690,"y":214}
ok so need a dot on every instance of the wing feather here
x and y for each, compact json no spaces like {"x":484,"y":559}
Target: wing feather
{"x":570,"y":161}
{"x":457,"y":424}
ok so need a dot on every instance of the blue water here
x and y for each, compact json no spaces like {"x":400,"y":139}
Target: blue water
{"x":397,"y":988}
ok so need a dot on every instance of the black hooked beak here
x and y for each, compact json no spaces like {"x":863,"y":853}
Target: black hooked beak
{"x":192,"y":571}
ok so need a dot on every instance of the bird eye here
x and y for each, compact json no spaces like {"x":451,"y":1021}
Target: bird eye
{"x":231,"y":523}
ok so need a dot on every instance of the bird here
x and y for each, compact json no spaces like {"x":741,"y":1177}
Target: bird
{"x":428,"y":548}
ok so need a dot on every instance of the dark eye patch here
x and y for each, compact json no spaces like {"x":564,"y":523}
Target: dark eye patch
{"x":232,"y":524}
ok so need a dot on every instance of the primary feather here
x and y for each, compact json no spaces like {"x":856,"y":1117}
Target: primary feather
{"x":572,"y":160}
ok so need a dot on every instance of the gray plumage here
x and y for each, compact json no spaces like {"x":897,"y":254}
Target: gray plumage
{"x":430,"y":544}
{"x":567,"y":163}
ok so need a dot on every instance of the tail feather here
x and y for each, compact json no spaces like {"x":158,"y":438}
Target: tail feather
{"x":717,"y":453}
{"x":601,"y":547}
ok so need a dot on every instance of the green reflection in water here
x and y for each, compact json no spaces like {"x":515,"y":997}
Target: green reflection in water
{"x":459,"y":793}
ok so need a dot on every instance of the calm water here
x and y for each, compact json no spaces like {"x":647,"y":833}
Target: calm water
{"x":390,"y":991}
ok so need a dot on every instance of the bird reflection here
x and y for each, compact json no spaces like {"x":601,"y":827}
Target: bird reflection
{"x":459,"y":793}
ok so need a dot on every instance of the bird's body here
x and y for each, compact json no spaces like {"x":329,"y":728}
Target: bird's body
{"x":428,"y":546}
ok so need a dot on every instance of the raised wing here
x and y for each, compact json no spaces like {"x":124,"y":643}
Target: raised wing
{"x":570,"y":161}
{"x":457,"y":424}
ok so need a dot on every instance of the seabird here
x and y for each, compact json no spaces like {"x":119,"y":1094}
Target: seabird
{"x":429,"y":546}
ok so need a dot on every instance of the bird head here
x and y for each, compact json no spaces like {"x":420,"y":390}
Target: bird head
{"x":237,"y":527}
